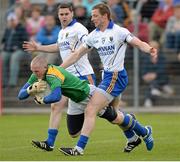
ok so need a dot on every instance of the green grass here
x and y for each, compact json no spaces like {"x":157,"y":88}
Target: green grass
{"x":106,"y":142}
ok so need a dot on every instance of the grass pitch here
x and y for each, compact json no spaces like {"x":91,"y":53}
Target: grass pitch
{"x":106,"y":142}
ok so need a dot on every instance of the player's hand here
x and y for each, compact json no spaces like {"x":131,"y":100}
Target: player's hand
{"x":39,"y":100}
{"x":154,"y":55}
{"x":37,"y":87}
{"x":30,"y":46}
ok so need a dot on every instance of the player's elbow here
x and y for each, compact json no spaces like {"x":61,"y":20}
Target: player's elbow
{"x":23,"y":94}
{"x":57,"y":98}
{"x":20,"y":97}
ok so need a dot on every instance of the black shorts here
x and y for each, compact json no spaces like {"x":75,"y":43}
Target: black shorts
{"x":75,"y":123}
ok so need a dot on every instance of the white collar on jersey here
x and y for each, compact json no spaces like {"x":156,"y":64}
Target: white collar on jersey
{"x":110,"y":25}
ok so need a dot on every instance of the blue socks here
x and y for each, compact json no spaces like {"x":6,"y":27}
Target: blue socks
{"x":132,"y":124}
{"x":82,"y":141}
{"x":52,"y":133}
{"x":139,"y":129}
{"x":129,"y":134}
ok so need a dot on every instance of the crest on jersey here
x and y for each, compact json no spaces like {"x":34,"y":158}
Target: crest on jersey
{"x":111,"y":39}
{"x":103,"y":40}
{"x":67,"y":35}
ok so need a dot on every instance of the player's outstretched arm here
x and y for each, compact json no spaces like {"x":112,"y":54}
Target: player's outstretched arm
{"x":145,"y":47}
{"x":33,"y":46}
{"x":30,"y":46}
{"x":74,"y":56}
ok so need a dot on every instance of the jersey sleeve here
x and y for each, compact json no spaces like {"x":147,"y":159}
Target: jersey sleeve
{"x":88,"y":41}
{"x":126,"y":35}
{"x":82,"y":33}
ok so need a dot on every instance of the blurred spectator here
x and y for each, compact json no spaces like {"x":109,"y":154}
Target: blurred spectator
{"x":35,"y":22}
{"x":155,"y":76}
{"x":148,"y":9}
{"x":80,"y":15}
{"x":117,"y":12}
{"x":89,"y":4}
{"x":11,"y":3}
{"x":143,"y":30}
{"x":159,"y":20}
{"x":20,"y":14}
{"x":120,"y":12}
{"x":51,"y":7}
{"x":15,"y":34}
{"x":27,"y":7}
{"x":173,"y":29}
{"x":49,"y":35}
{"x":76,"y":2}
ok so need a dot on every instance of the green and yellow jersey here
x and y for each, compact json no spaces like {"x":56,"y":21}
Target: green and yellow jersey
{"x":71,"y":86}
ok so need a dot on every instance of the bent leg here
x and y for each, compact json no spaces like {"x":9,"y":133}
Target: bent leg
{"x":144,"y":131}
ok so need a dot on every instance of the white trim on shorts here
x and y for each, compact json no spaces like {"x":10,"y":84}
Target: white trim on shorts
{"x":79,"y":108}
{"x":107,"y":95}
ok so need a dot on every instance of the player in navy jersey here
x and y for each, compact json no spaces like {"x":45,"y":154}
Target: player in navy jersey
{"x":111,"y":41}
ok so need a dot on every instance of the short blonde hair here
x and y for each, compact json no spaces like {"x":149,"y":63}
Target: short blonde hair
{"x":103,"y":9}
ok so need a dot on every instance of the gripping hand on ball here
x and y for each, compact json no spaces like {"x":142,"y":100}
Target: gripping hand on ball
{"x":39,"y":100}
{"x":37,"y":87}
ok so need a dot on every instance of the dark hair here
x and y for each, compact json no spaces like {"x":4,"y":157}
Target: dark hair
{"x":103,"y":9}
{"x":65,"y":5}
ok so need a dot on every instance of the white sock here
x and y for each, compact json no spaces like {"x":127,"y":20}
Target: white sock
{"x":79,"y":149}
{"x":134,"y":138}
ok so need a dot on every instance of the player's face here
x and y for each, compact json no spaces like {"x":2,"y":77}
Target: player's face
{"x":97,"y":18}
{"x":39,"y":71}
{"x":65,"y":16}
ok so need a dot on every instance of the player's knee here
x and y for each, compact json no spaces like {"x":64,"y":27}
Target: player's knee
{"x":56,"y":108}
{"x":119,"y":118}
{"x":109,"y":113}
{"x":90,"y":111}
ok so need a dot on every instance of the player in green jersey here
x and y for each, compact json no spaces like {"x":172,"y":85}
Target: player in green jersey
{"x":64,"y":83}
